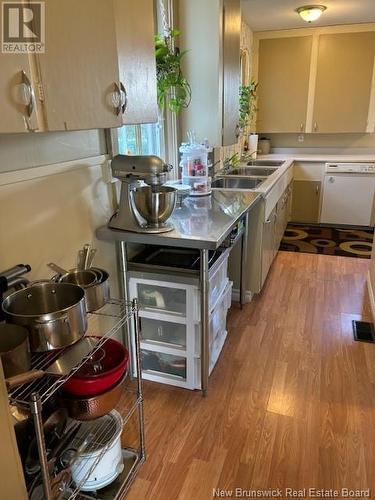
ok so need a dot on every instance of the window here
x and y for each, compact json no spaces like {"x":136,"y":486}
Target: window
{"x":142,"y":139}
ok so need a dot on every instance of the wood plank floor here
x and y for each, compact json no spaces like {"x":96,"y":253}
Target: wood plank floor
{"x":291,"y":401}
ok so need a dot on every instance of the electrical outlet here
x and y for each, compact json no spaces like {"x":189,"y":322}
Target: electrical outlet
{"x":301,"y":138}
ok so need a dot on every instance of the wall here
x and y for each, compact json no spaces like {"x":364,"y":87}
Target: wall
{"x":347,"y":141}
{"x":48,"y":212}
{"x":18,"y":151}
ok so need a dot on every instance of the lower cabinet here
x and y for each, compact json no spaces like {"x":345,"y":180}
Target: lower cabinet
{"x":306,"y":200}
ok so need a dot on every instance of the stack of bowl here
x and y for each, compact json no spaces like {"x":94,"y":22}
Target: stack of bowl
{"x":96,"y":388}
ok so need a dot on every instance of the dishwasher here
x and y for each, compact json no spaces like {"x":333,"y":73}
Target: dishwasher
{"x":348,"y":194}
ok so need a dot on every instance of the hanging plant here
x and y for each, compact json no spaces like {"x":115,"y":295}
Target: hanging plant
{"x":248,"y":96}
{"x":173,"y":88}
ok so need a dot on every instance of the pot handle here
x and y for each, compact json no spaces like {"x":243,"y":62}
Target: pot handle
{"x":23,"y":378}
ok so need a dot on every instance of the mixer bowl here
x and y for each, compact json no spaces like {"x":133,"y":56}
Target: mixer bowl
{"x":155,"y":205}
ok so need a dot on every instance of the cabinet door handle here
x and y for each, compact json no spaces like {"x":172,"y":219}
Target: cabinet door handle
{"x":124,"y":98}
{"x":317,"y":189}
{"x":302,"y":127}
{"x":331,"y":179}
{"x":28,"y":93}
{"x":117,"y":100}
{"x":315,"y":126}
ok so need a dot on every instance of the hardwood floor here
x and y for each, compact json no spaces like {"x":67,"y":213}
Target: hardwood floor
{"x":291,"y":401}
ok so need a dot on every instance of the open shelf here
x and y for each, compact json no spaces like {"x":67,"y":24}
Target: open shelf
{"x":104,"y":323}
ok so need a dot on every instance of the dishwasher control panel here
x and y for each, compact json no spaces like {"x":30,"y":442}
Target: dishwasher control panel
{"x":355,"y":168}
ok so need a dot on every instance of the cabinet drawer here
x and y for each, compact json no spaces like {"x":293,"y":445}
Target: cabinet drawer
{"x":167,"y":299}
{"x":166,"y":364}
{"x":164,"y":333}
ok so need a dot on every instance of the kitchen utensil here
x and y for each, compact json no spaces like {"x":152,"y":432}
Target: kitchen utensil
{"x":96,"y":406}
{"x":54,"y":314}
{"x":100,"y":465}
{"x":54,"y":428}
{"x":61,"y":367}
{"x":88,"y":381}
{"x":74,"y":276}
{"x":86,"y":251}
{"x":97,"y":295}
{"x":155,"y":206}
{"x":90,"y":258}
{"x":143,"y":209}
{"x":80,"y":260}
{"x":14,"y":349}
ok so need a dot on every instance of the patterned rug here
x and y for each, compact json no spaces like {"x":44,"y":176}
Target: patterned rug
{"x":328,"y":240}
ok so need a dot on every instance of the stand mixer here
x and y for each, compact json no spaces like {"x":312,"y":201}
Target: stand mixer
{"x":143,"y":208}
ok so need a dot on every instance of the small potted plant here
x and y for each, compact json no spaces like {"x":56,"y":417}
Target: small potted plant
{"x":173,"y":88}
{"x":248,"y":97}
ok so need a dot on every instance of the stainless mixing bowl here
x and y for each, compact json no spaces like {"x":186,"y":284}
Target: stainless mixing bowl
{"x":155,"y":206}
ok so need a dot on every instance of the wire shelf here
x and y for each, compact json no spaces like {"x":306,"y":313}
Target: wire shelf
{"x":89,"y":443}
{"x":104,"y":323}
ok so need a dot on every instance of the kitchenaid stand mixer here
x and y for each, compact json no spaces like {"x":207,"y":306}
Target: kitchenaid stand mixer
{"x":144,"y":206}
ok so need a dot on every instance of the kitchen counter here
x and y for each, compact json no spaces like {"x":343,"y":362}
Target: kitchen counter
{"x":202,"y":222}
{"x":320,"y":157}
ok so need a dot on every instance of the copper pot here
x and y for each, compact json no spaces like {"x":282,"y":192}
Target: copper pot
{"x":94,"y":407}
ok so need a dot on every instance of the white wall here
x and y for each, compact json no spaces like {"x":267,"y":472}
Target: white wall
{"x":47,"y":213}
{"x":18,"y":151}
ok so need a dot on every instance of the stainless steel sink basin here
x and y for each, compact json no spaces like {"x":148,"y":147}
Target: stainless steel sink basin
{"x":263,"y":172}
{"x":236,"y":183}
{"x":265,"y":163}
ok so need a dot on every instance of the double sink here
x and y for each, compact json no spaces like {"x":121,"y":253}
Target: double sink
{"x":249,"y":176}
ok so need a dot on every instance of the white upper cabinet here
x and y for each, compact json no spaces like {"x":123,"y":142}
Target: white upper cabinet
{"x":283,"y":75}
{"x":79,"y":70}
{"x":135,"y":42}
{"x":343,"y":82}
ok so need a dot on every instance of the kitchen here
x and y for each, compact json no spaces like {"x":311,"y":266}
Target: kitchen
{"x":170,"y":170}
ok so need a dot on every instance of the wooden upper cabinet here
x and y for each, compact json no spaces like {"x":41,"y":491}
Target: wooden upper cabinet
{"x":18,"y":112}
{"x":135,"y":30}
{"x":80,"y":66}
{"x":343,"y":82}
{"x":284,"y":71}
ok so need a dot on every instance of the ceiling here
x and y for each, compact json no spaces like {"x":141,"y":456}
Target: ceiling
{"x":263,"y":15}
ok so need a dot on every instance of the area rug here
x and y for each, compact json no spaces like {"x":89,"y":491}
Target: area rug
{"x":326,"y":240}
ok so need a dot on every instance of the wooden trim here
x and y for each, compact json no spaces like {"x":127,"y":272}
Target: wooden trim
{"x":29,"y":174}
{"x":371,"y":111}
{"x":371,"y":295}
{"x":345,"y":28}
{"x":312,"y":83}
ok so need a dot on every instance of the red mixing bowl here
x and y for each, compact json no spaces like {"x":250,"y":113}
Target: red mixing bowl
{"x":100,"y":373}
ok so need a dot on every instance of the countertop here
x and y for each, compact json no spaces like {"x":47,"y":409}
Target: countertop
{"x":202,"y":222}
{"x":320,"y":157}
{"x":290,"y":158}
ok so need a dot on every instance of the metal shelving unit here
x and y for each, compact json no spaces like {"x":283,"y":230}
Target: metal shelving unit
{"x":105,"y":323}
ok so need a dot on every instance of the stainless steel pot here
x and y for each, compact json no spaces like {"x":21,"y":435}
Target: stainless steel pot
{"x":14,"y":349}
{"x":54,"y":314}
{"x":97,"y":294}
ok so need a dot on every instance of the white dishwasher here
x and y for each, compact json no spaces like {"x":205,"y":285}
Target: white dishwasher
{"x":348,"y":194}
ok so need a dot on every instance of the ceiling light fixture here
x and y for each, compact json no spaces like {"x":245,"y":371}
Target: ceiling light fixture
{"x":310,"y":13}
